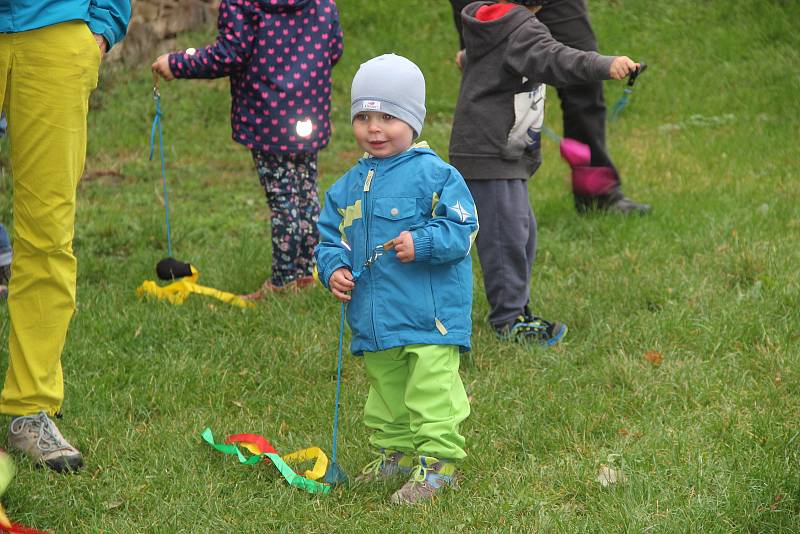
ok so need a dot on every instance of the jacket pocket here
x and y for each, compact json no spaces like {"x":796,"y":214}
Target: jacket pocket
{"x":392,"y":216}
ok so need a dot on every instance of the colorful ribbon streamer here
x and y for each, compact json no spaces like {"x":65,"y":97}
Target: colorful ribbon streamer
{"x":263,"y":449}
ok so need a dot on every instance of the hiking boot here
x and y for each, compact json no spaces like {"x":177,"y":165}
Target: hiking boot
{"x":5,"y":276}
{"x":39,"y":438}
{"x":268,"y":287}
{"x":528,"y":328}
{"x":427,"y":479}
{"x":388,"y":464}
{"x":614,"y":202}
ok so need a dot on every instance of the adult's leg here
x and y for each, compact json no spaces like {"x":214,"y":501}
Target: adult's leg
{"x":506,"y":246}
{"x":584,"y":111}
{"x":47,"y":76}
{"x":457,"y":6}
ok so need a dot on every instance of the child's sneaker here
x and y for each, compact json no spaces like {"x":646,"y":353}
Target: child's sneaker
{"x":528,"y":328}
{"x":388,"y":464}
{"x":39,"y":438}
{"x":429,"y":477}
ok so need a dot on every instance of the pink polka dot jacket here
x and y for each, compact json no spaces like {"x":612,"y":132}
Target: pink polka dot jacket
{"x":279,"y":55}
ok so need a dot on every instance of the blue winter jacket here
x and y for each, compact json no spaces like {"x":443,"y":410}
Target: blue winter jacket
{"x":108,"y":18}
{"x":279,"y":55}
{"x":427,"y":301}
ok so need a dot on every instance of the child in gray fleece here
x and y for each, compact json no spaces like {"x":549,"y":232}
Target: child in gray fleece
{"x":495,"y":144}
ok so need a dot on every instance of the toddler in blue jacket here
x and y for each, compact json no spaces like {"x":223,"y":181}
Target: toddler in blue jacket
{"x":409,"y":310}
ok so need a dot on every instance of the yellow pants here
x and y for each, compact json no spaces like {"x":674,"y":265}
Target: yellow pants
{"x":46,"y":76}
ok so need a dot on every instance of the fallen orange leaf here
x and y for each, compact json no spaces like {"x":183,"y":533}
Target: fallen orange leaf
{"x":654,"y":357}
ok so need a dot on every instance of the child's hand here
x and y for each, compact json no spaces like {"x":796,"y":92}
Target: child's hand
{"x":621,"y":67}
{"x":161,"y":66}
{"x":460,"y":58}
{"x":403,"y":245}
{"x":340,"y":282}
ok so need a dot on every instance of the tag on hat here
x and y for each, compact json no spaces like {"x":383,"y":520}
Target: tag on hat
{"x":371,"y":105}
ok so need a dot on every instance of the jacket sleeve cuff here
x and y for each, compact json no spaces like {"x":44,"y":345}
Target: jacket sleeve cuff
{"x":326,"y":272}
{"x":602,"y":66}
{"x":423,"y":246}
{"x":177,"y":64}
{"x":111,"y":23}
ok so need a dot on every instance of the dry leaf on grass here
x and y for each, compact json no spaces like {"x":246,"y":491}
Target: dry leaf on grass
{"x":610,"y":475}
{"x":654,"y":357}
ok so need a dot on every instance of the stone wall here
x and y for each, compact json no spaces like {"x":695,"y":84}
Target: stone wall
{"x":154,"y":25}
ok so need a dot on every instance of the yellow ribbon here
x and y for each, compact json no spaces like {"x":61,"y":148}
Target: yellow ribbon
{"x":303,"y":455}
{"x":178,"y":291}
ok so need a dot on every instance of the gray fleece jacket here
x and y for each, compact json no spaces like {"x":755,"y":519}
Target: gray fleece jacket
{"x":500,"y":109}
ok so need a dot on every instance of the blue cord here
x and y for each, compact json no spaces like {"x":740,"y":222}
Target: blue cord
{"x":356,"y":276}
{"x":157,"y":124}
{"x":551,"y":134}
{"x":338,"y":384}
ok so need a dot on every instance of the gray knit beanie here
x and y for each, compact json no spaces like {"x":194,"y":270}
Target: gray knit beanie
{"x":390,"y":84}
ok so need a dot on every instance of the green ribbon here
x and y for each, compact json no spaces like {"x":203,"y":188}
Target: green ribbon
{"x":298,"y":481}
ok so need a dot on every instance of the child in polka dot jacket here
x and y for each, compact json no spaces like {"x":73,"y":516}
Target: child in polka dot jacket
{"x":278,"y":55}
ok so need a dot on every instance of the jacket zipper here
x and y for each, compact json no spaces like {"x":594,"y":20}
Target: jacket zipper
{"x":367,"y":248}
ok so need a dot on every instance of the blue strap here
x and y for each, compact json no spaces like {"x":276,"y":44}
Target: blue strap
{"x":551,"y":134}
{"x":338,"y":383}
{"x":157,"y":125}
{"x":620,"y":104}
{"x":356,"y":276}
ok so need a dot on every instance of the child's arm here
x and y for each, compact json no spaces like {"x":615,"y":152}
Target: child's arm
{"x":534,"y":53}
{"x":336,"y":42}
{"x":448,"y":236}
{"x":231,"y":51}
{"x":332,"y":253}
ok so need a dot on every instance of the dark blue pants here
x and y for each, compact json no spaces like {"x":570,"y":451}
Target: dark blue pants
{"x":506,"y":245}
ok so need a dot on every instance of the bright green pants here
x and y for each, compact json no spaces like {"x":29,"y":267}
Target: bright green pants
{"x":416,"y":400}
{"x":46,"y":76}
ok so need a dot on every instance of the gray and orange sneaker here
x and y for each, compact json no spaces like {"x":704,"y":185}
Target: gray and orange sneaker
{"x":428,"y":478}
{"x":39,"y":438}
{"x":388,"y":464}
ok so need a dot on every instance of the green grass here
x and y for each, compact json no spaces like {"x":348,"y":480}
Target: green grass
{"x":709,"y":440}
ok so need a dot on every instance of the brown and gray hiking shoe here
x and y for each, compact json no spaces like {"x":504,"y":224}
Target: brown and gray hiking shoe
{"x":388,"y":464}
{"x":428,"y":478}
{"x":39,"y":438}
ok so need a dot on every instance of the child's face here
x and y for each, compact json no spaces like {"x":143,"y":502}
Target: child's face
{"x":382,"y":135}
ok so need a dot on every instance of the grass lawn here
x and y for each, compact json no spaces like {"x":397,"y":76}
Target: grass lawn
{"x":681,"y":363}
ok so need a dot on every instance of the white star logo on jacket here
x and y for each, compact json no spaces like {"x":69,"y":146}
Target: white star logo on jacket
{"x":459,"y":209}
